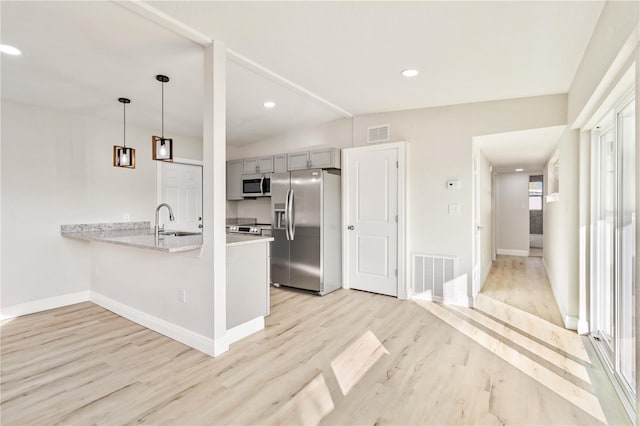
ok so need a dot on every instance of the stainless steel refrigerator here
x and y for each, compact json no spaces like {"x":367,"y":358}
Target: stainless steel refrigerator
{"x":306,"y":251}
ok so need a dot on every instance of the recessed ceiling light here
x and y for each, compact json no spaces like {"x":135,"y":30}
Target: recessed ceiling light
{"x":519,"y":170}
{"x":269,"y":104}
{"x":410,"y":73}
{"x":9,"y":50}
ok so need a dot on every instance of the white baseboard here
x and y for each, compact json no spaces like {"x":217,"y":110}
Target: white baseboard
{"x":44,"y":304}
{"x":509,"y":252}
{"x":465,"y":301}
{"x":583,"y":327}
{"x":175,"y":332}
{"x":245,"y":329}
{"x":570,"y":322}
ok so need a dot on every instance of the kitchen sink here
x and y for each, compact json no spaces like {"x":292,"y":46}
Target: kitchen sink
{"x":179,"y":233}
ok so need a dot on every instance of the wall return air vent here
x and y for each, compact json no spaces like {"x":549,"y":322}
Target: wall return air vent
{"x":378,"y":133}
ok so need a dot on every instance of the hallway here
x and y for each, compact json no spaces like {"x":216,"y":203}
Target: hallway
{"x":542,"y":373}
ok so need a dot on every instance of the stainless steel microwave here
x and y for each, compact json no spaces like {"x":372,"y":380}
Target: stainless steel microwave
{"x":256,"y":186}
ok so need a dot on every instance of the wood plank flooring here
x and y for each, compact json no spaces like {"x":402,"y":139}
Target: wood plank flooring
{"x":346,"y":358}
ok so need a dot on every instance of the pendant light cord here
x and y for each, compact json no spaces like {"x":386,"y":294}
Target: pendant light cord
{"x":162,"y":110}
{"x":124,"y":125}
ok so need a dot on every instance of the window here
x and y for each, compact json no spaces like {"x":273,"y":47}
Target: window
{"x":535,"y":194}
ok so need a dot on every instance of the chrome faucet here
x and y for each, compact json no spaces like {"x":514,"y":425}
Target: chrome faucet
{"x":156,"y":229}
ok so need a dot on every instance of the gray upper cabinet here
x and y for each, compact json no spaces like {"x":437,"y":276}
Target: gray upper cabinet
{"x":234,"y":179}
{"x":265,"y":164}
{"x":258,"y":165}
{"x":325,"y":158}
{"x":328,"y":158}
{"x":280,"y":163}
{"x":298,"y":161}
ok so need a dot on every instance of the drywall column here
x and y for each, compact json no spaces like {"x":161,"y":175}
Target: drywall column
{"x":584,"y":242}
{"x":214,"y":184}
{"x":637,"y":277}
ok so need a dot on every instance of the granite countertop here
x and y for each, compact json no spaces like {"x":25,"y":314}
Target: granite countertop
{"x":133,"y":234}
{"x":242,"y":239}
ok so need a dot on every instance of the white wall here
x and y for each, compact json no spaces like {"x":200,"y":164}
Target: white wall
{"x":335,"y":133}
{"x":614,"y":29}
{"x":440,"y":148}
{"x":57,"y":169}
{"x":560,"y":228}
{"x":512,"y":215}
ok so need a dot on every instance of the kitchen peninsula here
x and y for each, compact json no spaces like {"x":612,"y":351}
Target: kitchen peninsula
{"x":161,"y":283}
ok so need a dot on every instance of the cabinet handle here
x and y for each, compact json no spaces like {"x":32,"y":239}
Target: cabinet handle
{"x":257,"y":169}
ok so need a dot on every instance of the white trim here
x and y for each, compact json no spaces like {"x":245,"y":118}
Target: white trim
{"x":44,"y":304}
{"x":570,"y":322}
{"x":403,"y":267}
{"x":510,"y":252}
{"x":464,"y":301}
{"x":145,"y":10}
{"x":239,"y":59}
{"x":583,"y":327}
{"x":175,"y":332}
{"x":243,"y":330}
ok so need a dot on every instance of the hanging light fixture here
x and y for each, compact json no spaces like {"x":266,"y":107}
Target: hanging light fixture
{"x":162,"y":147}
{"x":123,"y":156}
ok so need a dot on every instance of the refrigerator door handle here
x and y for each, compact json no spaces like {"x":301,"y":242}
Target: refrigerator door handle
{"x":286,"y":215}
{"x":292,"y":221}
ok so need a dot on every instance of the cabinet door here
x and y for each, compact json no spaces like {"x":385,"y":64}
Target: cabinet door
{"x":280,"y":163}
{"x":298,"y":161}
{"x":265,"y":164}
{"x":325,"y":158}
{"x":250,"y":166}
{"x":234,"y":180}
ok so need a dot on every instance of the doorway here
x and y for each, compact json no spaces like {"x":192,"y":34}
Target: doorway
{"x":536,"y":189}
{"x":373,"y":219}
{"x":180,"y":186}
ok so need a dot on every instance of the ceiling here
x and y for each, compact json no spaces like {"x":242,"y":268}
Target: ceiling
{"x":526,"y":149}
{"x":81,"y":56}
{"x":77,"y":63}
{"x":351,"y":52}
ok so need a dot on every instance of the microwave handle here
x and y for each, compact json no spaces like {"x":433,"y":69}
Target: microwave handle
{"x":262,"y":185}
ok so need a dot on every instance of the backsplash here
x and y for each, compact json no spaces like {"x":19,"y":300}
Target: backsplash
{"x":260,"y":208}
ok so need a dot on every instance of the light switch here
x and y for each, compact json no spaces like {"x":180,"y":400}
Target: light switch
{"x":454,"y":209}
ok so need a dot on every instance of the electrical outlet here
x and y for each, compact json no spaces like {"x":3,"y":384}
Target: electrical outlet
{"x":126,"y":217}
{"x":454,"y":209}
{"x":183,"y":295}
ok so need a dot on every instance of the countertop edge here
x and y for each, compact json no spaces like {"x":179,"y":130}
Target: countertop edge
{"x":83,"y":237}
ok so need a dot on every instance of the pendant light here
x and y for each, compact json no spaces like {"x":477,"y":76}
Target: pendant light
{"x":162,"y":147}
{"x":123,"y":156}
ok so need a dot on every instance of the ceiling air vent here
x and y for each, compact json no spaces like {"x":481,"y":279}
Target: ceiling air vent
{"x":378,"y":133}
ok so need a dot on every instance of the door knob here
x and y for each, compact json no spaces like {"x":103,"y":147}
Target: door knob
{"x":350,"y":227}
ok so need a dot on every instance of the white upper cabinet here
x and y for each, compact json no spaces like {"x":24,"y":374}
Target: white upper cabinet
{"x":234,"y":179}
{"x":280,"y":163}
{"x":328,"y":158}
{"x":258,"y":165}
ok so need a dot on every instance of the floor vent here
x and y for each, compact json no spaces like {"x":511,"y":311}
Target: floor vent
{"x":434,"y":277}
{"x":378,"y":134}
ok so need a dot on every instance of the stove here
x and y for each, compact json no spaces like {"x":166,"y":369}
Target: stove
{"x":251,"y":229}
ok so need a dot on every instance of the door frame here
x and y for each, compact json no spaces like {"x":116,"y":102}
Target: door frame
{"x":401,"y":147}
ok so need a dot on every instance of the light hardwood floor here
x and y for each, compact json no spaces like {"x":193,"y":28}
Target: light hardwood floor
{"x":346,"y":358}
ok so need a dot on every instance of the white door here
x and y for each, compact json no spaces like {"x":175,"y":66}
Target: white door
{"x":372,"y":220}
{"x":181,"y":188}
